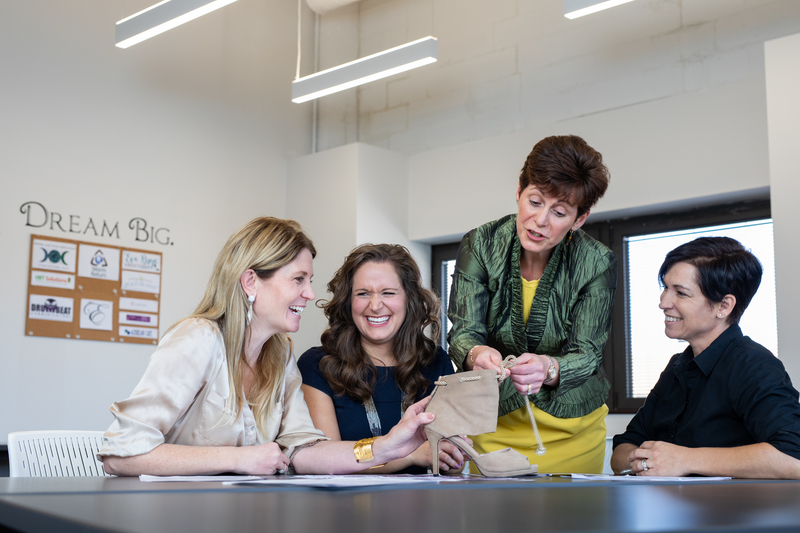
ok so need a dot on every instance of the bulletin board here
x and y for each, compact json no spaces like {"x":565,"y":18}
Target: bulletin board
{"x":89,"y":291}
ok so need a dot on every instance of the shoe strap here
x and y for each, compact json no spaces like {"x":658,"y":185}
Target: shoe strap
{"x":507,"y":363}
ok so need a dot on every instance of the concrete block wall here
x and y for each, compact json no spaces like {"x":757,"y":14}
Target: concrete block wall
{"x":510,"y":65}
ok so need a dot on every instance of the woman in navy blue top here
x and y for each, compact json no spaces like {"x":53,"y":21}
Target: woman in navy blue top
{"x":375,"y":359}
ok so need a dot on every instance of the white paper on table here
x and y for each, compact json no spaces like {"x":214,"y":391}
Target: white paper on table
{"x":349,"y":481}
{"x":145,"y":477}
{"x":603,"y":477}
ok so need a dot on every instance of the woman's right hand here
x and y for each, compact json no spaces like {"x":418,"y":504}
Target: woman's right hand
{"x":261,"y":460}
{"x":485,"y":358}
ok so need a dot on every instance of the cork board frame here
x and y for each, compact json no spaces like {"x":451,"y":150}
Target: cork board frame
{"x":90,"y":291}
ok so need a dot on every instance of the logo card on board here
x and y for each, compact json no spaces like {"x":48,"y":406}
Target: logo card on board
{"x":55,"y":308}
{"x":140,"y":281}
{"x":138,"y":319}
{"x":99,"y":262}
{"x":141,"y":261}
{"x":52,"y":255}
{"x":142,"y":333}
{"x":138,"y":304}
{"x":97,"y":314}
{"x":40,"y":278}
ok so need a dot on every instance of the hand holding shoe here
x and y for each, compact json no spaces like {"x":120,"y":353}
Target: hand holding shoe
{"x":409,"y":433}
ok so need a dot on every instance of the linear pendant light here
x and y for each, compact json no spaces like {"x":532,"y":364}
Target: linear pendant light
{"x":161,"y":17}
{"x":578,"y":8}
{"x":381,"y":65}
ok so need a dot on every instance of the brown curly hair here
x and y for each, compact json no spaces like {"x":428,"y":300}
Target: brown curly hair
{"x":346,"y":366}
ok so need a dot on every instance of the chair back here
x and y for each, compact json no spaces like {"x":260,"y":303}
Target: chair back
{"x":609,"y":452}
{"x":54,"y":453}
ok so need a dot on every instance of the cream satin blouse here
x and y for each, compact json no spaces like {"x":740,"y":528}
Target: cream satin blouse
{"x":182,"y":397}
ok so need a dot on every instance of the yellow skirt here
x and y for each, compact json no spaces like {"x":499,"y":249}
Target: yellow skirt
{"x":575,"y":445}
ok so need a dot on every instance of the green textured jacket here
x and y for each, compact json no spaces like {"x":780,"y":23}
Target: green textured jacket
{"x":570,"y":317}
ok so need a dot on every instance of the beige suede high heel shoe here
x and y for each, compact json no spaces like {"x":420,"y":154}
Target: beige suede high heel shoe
{"x":466,"y":404}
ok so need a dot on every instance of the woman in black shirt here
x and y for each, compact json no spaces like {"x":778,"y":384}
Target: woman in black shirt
{"x":725,"y":406}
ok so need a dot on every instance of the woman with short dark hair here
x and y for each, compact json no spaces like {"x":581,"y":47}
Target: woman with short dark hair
{"x":535,"y":286}
{"x":725,"y":406}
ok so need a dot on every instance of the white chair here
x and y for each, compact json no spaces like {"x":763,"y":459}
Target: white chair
{"x":54,"y":453}
{"x":609,"y":452}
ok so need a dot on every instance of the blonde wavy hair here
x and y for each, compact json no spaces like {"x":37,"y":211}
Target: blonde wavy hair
{"x":264,"y":245}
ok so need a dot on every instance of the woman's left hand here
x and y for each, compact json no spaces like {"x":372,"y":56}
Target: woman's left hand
{"x":530,"y":372}
{"x":409,"y":433}
{"x":660,"y":459}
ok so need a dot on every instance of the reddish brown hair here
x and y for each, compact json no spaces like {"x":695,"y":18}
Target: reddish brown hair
{"x":566,"y":167}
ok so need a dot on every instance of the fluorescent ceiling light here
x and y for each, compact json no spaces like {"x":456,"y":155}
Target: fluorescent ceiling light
{"x":161,"y":17}
{"x":381,"y":65}
{"x":578,"y":8}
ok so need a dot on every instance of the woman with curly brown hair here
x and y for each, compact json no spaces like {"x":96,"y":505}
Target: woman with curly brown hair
{"x":375,"y":359}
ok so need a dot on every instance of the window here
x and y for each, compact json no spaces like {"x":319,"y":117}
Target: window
{"x":638,"y":350}
{"x":443,"y":260}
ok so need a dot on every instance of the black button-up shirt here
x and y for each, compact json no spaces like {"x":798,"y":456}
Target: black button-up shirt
{"x":733,"y":394}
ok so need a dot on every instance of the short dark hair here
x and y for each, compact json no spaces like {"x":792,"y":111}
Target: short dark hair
{"x":566,"y":167}
{"x":724,"y":266}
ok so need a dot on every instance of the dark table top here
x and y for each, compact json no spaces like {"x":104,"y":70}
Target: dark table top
{"x":476,"y":505}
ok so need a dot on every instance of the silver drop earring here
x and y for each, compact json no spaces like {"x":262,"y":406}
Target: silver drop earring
{"x":251,"y":298}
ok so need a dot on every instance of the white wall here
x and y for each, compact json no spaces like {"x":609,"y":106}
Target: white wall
{"x":783,"y":88}
{"x":322,"y":194}
{"x":674,"y":151}
{"x":190,"y":130}
{"x":384,"y":203}
{"x":513,"y":65}
{"x":344,"y":197}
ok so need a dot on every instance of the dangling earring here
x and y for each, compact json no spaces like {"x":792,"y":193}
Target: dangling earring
{"x":251,"y":298}
{"x":570,"y":236}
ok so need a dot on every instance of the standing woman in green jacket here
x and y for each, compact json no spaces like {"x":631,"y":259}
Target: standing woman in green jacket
{"x":535,"y":286}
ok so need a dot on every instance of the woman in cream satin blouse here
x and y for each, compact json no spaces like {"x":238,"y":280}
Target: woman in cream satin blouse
{"x":222,"y":391}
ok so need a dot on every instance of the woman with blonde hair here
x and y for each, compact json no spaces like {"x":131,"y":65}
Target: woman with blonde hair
{"x":222,"y":391}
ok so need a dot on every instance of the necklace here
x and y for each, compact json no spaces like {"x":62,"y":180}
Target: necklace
{"x":372,"y":414}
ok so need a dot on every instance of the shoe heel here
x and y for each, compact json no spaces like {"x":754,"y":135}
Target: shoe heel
{"x":433,"y":441}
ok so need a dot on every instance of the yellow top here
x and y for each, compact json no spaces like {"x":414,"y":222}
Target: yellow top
{"x":528,"y":292}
